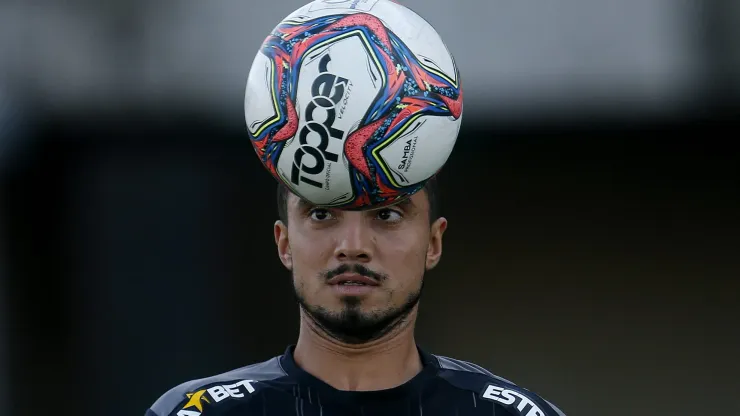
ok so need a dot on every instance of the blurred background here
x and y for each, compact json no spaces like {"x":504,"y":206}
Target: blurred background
{"x":592,"y":254}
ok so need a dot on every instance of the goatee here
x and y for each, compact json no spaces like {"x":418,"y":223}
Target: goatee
{"x":352,"y":325}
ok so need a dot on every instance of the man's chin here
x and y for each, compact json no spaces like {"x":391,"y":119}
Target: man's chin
{"x":351,"y":326}
{"x":355,"y":319}
{"x":355,"y":324}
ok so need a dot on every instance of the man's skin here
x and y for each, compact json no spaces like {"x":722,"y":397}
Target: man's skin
{"x":359,"y":338}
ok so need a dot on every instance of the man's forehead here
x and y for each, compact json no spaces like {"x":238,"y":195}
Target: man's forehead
{"x":414,"y":202}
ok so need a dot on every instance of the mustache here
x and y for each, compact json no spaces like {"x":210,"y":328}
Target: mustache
{"x":355,"y":268}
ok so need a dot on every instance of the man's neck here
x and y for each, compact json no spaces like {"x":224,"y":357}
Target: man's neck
{"x":381,"y":364}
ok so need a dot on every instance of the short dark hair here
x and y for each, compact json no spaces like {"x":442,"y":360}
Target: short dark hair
{"x":430,"y":188}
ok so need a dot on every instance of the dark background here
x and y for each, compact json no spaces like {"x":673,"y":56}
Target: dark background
{"x":593,"y":251}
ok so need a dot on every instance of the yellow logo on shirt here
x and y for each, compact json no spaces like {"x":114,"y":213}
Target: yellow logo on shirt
{"x":195,"y":400}
{"x":214,"y":395}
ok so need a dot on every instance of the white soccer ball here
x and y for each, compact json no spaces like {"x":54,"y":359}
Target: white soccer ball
{"x":353,"y":104}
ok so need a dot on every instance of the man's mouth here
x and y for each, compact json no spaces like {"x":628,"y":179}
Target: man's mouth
{"x":352,"y":279}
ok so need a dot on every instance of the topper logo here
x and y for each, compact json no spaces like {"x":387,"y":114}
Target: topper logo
{"x":327,"y":91}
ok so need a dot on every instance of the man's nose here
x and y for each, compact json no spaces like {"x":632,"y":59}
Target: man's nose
{"x":355,"y":242}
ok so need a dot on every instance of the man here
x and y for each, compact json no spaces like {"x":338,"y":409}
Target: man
{"x":358,"y":277}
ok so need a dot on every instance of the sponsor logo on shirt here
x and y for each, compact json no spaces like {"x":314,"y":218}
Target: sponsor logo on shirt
{"x":213,"y":395}
{"x":513,"y":399}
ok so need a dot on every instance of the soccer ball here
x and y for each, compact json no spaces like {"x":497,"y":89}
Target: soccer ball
{"x":353,"y":104}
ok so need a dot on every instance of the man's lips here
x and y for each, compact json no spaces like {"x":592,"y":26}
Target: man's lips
{"x":352,"y":278}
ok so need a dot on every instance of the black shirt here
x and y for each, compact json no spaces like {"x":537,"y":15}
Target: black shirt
{"x":277,"y":387}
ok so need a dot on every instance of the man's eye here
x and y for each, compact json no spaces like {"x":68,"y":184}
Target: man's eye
{"x":389,"y":215}
{"x":320,"y":214}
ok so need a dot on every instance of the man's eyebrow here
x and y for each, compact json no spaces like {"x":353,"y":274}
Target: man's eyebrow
{"x":304,"y":205}
{"x":406,"y":204}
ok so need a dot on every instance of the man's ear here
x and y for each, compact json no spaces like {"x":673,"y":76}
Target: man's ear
{"x":283,"y":244}
{"x":434,"y":249}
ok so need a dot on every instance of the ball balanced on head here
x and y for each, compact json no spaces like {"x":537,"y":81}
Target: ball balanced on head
{"x":353,"y":104}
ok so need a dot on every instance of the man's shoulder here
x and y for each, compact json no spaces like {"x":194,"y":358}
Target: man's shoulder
{"x":191,"y":397}
{"x":488,"y":386}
